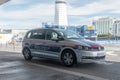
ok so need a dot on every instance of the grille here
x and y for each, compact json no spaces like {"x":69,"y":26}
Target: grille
{"x":97,"y":49}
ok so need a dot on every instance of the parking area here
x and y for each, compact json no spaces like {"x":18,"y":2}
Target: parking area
{"x":13,"y":66}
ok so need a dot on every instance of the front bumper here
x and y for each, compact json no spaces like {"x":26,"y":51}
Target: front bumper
{"x":92,"y":56}
{"x":93,"y":59}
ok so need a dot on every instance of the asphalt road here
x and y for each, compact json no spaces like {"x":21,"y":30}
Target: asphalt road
{"x":14,"y":67}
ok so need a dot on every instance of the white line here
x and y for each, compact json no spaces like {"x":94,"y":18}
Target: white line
{"x":9,"y":64}
{"x":69,"y":72}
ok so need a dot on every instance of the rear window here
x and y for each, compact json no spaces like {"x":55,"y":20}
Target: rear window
{"x":36,"y":34}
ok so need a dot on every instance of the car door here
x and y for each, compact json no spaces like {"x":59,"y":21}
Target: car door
{"x":37,"y":42}
{"x":52,"y":47}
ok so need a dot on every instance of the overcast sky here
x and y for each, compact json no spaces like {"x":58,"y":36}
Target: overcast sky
{"x":24,"y":14}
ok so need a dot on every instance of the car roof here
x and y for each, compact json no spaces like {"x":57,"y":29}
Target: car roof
{"x":48,"y":29}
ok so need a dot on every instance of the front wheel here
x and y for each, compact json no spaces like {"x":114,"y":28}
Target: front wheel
{"x":27,"y":54}
{"x":68,"y":58}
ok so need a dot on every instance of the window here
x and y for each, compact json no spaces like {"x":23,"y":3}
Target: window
{"x":70,"y":35}
{"x":50,"y":35}
{"x":54,"y":35}
{"x":28,"y":35}
{"x":38,"y":34}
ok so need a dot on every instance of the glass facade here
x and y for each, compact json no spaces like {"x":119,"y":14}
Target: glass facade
{"x":116,"y":28}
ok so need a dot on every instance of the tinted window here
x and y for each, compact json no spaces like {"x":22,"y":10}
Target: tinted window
{"x":51,"y":34}
{"x":37,"y":34}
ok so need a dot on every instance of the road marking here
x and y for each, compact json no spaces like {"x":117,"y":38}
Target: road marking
{"x":9,"y":64}
{"x":11,"y":71}
{"x":111,"y":53}
{"x":69,"y":72}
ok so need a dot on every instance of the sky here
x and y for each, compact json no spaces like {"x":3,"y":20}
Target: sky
{"x":28,"y":14}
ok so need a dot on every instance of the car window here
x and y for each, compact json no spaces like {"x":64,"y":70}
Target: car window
{"x":50,"y":35}
{"x":28,"y":35}
{"x":54,"y":35}
{"x":70,"y":35}
{"x":37,"y":34}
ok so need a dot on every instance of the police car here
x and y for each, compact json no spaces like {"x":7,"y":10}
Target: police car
{"x":66,"y":46}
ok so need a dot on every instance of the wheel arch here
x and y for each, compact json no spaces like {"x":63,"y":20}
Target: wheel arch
{"x":68,"y":49}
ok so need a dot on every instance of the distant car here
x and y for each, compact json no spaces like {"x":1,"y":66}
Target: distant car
{"x":64,"y":45}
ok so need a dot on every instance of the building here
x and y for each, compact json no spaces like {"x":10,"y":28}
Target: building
{"x":104,"y":26}
{"x":116,"y":28}
{"x":8,"y":35}
{"x":61,"y":13}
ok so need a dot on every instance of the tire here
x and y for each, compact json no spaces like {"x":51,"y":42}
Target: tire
{"x":68,"y":58}
{"x":27,"y":54}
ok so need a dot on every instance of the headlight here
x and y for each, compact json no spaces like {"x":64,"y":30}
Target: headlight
{"x":83,"y":48}
{"x":80,"y":47}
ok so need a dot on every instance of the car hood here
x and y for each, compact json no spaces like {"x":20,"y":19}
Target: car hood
{"x":86,"y":42}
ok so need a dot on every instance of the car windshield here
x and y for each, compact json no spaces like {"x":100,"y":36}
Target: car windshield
{"x":70,"y":35}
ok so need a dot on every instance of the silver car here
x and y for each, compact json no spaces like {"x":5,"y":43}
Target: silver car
{"x":66,"y":46}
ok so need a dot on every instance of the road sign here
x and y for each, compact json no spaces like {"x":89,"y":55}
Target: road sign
{"x":90,"y":27}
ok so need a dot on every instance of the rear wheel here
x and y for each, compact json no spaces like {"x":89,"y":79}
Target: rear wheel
{"x":27,"y":54}
{"x":68,"y":58}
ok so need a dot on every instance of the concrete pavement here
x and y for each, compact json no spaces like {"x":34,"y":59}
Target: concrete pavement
{"x":13,"y":66}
